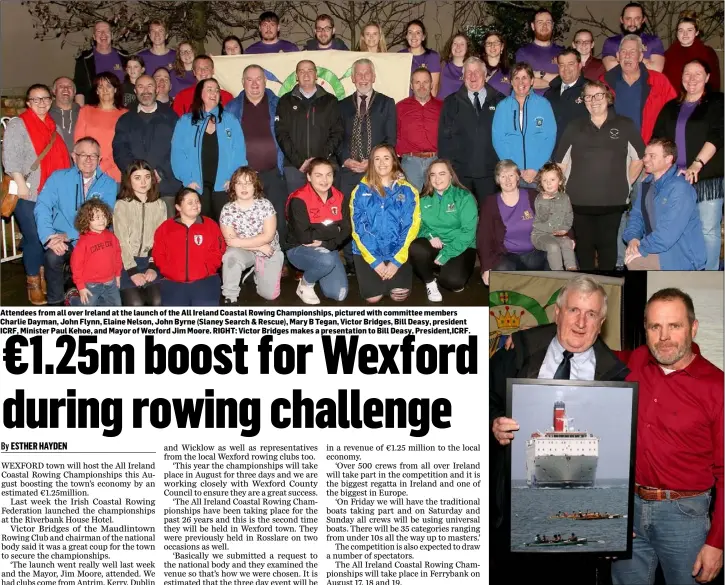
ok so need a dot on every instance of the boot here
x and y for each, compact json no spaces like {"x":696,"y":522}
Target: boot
{"x":35,"y":291}
{"x":43,"y":284}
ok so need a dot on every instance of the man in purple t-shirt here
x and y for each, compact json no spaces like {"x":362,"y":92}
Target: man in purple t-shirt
{"x":270,"y":43}
{"x":100,"y":58}
{"x":542,"y":53}
{"x":159,"y":54}
{"x":633,"y":21}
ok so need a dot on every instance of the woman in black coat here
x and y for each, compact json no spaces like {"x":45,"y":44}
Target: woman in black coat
{"x":698,"y":115}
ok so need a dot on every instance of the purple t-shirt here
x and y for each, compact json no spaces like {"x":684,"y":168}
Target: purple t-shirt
{"x":281,"y":46}
{"x":500,"y":82}
{"x":519,"y":222}
{"x":179,"y":83}
{"x":153,"y":62}
{"x":540,"y":58}
{"x":686,"y":110}
{"x":110,"y":62}
{"x":431,"y":60}
{"x":652,"y":46}
{"x":451,"y":80}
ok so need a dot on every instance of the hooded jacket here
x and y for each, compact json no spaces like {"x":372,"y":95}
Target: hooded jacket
{"x":676,"y":235}
{"x":307,"y":128}
{"x":62,"y":197}
{"x":452,"y":217}
{"x":186,"y":148}
{"x":236,"y":109}
{"x":384,"y":227}
{"x":187,"y":254}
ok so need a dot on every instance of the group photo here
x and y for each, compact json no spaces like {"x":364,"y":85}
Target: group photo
{"x":154,"y":169}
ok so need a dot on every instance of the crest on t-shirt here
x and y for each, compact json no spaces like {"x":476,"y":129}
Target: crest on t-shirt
{"x":451,"y":208}
{"x":198,"y":239}
{"x":333,"y":209}
{"x":117,"y":67}
{"x":527,"y":215}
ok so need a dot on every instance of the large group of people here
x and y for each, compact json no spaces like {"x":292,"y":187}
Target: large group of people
{"x":558,"y":160}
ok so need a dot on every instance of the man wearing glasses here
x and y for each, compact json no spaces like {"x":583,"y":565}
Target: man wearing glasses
{"x":542,"y":53}
{"x":57,"y":206}
{"x":325,"y":36}
{"x":592,"y":68}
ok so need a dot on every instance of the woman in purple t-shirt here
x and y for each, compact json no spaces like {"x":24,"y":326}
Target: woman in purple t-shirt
{"x":422,"y":56}
{"x":182,"y":75}
{"x":505,"y":224}
{"x":457,"y":50}
{"x":495,"y":56}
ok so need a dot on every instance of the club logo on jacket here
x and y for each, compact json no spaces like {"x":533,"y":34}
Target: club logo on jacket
{"x":229,"y":133}
{"x":451,"y":208}
{"x":333,"y":209}
{"x":401,"y":196}
{"x":198,"y":239}
{"x":539,"y":122}
{"x":614,"y":133}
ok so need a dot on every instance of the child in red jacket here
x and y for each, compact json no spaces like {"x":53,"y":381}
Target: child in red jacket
{"x":96,"y":259}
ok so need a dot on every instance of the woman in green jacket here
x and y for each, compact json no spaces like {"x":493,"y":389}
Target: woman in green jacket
{"x":447,"y":237}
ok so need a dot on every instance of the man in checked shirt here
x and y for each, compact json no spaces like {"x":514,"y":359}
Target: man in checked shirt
{"x":679,"y":451}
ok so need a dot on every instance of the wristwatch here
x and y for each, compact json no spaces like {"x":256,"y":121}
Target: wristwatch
{"x":700,"y":161}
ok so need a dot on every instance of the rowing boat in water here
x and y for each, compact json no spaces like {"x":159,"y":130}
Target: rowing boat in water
{"x":577,"y":542}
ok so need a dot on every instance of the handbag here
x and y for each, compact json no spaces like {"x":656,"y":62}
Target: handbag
{"x":10,"y":187}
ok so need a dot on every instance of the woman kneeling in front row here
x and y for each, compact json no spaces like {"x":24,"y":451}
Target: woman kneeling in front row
{"x":188,"y":251}
{"x":318,"y":226}
{"x":447,"y":242}
{"x":385,"y":216}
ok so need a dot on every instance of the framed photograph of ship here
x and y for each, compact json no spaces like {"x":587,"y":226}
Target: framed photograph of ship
{"x":571,"y":466}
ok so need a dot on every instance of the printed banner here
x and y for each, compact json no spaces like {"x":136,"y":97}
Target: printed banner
{"x":334,"y":71}
{"x":523,"y":300}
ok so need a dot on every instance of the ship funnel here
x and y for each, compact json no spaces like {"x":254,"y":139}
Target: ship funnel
{"x":559,"y":416}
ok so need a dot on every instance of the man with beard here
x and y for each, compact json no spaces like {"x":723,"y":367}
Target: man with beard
{"x":633,"y":21}
{"x":542,"y":53}
{"x":679,"y":459}
{"x":270,"y":43}
{"x":325,"y":36}
{"x":64,"y":110}
{"x":144,"y":133}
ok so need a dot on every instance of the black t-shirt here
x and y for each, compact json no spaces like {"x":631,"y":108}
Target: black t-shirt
{"x":209,"y":159}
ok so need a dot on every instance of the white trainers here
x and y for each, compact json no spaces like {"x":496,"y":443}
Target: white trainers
{"x":307,"y":293}
{"x":434,"y":295}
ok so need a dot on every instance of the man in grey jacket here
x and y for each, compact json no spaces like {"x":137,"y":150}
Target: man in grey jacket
{"x":64,"y":110}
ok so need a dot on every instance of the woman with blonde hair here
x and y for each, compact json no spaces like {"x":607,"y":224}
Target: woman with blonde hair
{"x":372,"y":39}
{"x":385,"y":217}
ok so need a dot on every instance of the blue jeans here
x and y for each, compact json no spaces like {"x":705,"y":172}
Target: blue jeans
{"x":199,"y":293}
{"x":56,"y":274}
{"x":415,"y":169}
{"x":711,"y":217}
{"x":671,"y":532}
{"x":103,"y":294}
{"x":534,"y":260}
{"x":323,"y":265}
{"x":33,"y":253}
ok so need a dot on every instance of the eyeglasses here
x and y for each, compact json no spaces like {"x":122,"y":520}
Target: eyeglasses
{"x":597,"y":97}
{"x":82,"y":156}
{"x":492,"y":44}
{"x":186,"y":52}
{"x":324,"y":29}
{"x":244,"y":184}
{"x":36,"y":100}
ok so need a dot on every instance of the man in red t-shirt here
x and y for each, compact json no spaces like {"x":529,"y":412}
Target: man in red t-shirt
{"x":679,"y":451}
{"x":203,"y":68}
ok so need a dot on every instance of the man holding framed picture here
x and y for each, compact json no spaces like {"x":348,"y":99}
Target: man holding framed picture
{"x":679,"y":451}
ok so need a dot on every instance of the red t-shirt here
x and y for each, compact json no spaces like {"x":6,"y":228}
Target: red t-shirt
{"x":96,"y":258}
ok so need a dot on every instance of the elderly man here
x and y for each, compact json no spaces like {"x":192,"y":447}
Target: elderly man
{"x":633,"y":21}
{"x":158,"y":54}
{"x":570,"y":349}
{"x":55,"y":211}
{"x":679,"y":451}
{"x":418,"y":119}
{"x":541,"y":54}
{"x":592,"y":68}
{"x":203,"y":68}
{"x":325,"y":36}
{"x":565,"y":92}
{"x":464,"y":132}
{"x":255,"y":109}
{"x":308,"y":125}
{"x":101,"y":57}
{"x":144,"y":133}
{"x":664,"y":230}
{"x":269,"y":33}
{"x":64,"y":110}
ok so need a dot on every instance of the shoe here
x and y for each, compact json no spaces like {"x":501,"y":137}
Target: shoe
{"x":229,"y":302}
{"x":36,"y":296}
{"x":43,"y":283}
{"x":350,"y":269}
{"x":458,"y":290}
{"x":434,"y":295}
{"x":70,"y":295}
{"x":285,"y":270}
{"x":307,"y":293}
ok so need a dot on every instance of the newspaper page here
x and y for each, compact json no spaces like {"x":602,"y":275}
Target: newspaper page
{"x":244,"y":446}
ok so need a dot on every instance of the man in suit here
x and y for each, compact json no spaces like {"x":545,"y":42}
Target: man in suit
{"x":570,"y":349}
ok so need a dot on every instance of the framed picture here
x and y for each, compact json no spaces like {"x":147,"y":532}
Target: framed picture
{"x":570,"y":469}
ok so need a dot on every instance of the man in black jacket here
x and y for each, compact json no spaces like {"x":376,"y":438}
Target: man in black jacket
{"x":101,"y":57}
{"x":144,"y":133}
{"x":565,"y":92}
{"x":569,"y":349}
{"x":308,"y":125}
{"x":464,"y":131}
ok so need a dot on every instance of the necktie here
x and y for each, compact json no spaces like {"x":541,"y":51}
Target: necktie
{"x":563,"y":372}
{"x":564,"y":88}
{"x":476,"y":102}
{"x":363,"y":106}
